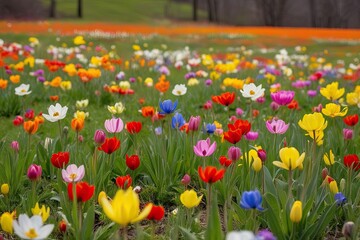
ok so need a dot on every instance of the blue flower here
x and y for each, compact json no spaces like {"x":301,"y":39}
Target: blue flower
{"x":251,"y":200}
{"x":158,"y":131}
{"x":177,"y":121}
{"x":210,"y":128}
{"x":168,"y":106}
{"x":340,"y":199}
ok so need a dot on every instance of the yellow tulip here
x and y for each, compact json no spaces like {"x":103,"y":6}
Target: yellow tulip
{"x":353,"y":98}
{"x":313,"y":122}
{"x":124,"y":208}
{"x":290,"y":159}
{"x":296,"y":212}
{"x":317,"y":136}
{"x":254,"y":160}
{"x":43,"y":211}
{"x":6,"y":221}
{"x":5,"y":188}
{"x":333,"y":187}
{"x":333,"y":110}
{"x":329,"y":158}
{"x":79,"y":40}
{"x":332,"y":91}
{"x":190,"y":199}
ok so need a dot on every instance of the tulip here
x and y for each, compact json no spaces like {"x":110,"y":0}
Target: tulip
{"x":329,"y":158}
{"x":296,"y":212}
{"x":34,"y":172}
{"x":251,"y":200}
{"x":124,"y":182}
{"x":190,"y":199}
{"x":83,"y":191}
{"x":73,"y":173}
{"x":62,"y":226}
{"x":194,"y":123}
{"x":233,"y":136}
{"x":5,"y":188}
{"x":333,"y":110}
{"x":31,"y":127}
{"x":352,"y":161}
{"x":277,"y":126}
{"x":15,"y":146}
{"x":99,"y":137}
{"x":32,"y":228}
{"x":122,"y":200}
{"x":211,"y":174}
{"x":60,"y":159}
{"x":351,"y":120}
{"x":204,"y":149}
{"x":6,"y":221}
{"x":43,"y":212}
{"x":290,"y":159}
{"x":156,"y":213}
{"x":77,"y":124}
{"x":186,"y":180}
{"x":262,"y":155}
{"x":251,"y":136}
{"x":348,"y":230}
{"x":133,"y":127}
{"x":132,"y":162}
{"x":283,"y":97}
{"x":167,"y":106}
{"x":224,"y":99}
{"x":110,"y":145}
{"x":114,"y":125}
{"x":177,"y":121}
{"x":348,"y":133}
{"x":234,"y":153}
{"x":332,"y":92}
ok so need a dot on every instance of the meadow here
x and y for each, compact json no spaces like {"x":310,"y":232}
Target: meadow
{"x":194,"y":137}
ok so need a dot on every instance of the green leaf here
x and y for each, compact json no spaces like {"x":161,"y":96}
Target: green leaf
{"x":213,"y":231}
{"x":187,"y":234}
{"x":88,"y":224}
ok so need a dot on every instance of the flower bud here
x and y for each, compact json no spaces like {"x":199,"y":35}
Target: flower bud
{"x":239,"y":111}
{"x":81,"y":138}
{"x":99,"y":137}
{"x":274,"y":106}
{"x":62,"y":226}
{"x":296,"y":212}
{"x":348,"y":229}
{"x":324,"y":173}
{"x":65,"y":130}
{"x":347,"y":133}
{"x":234,"y":153}
{"x":186,"y":180}
{"x":5,"y":189}
{"x":262,"y":155}
{"x":137,"y":189}
{"x":15,"y":146}
{"x":34,"y":172}
{"x":342,"y":185}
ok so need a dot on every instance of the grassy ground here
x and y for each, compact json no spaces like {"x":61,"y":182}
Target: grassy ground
{"x":129,"y":11}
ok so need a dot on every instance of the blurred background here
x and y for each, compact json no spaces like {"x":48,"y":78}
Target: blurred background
{"x":290,"y":13}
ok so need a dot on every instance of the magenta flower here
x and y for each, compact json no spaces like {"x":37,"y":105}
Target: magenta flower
{"x":34,"y":172}
{"x":73,"y":173}
{"x":234,"y":153}
{"x":204,"y":149}
{"x":114,"y":125}
{"x":251,"y":136}
{"x":277,"y":126}
{"x":283,"y":97}
{"x":348,"y":133}
{"x":194,"y":123}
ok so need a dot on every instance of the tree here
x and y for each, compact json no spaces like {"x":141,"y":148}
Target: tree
{"x":80,"y":9}
{"x":52,"y":9}
{"x":195,"y":5}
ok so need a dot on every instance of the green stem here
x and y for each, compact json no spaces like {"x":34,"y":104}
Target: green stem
{"x":208,"y":203}
{"x":290,"y":181}
{"x":263,"y":179}
{"x":60,"y":134}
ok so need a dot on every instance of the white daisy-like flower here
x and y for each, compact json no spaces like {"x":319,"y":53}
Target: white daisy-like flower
{"x":252,"y":91}
{"x":81,"y":104}
{"x":179,"y":90}
{"x":22,"y":90}
{"x":243,"y":235}
{"x":32,"y":228}
{"x":56,"y":113}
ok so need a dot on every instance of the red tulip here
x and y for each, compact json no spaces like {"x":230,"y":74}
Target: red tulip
{"x":211,"y":174}
{"x":133,"y":162}
{"x":225,"y":99}
{"x":124,"y":182}
{"x":110,"y":145}
{"x":60,"y":159}
{"x":352,"y":161}
{"x":133,"y":127}
{"x":224,"y":161}
{"x":351,"y":120}
{"x":84,"y":191}
{"x":243,"y":125}
{"x":156,"y":213}
{"x":233,"y":136}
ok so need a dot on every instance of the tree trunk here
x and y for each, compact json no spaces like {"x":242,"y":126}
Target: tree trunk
{"x":312,"y":6}
{"x":195,"y":5}
{"x":52,"y":9}
{"x":210,"y":11}
{"x":215,"y":9}
{"x":80,"y":9}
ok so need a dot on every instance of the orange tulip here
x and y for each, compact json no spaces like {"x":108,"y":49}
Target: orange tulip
{"x":3,"y":83}
{"x":31,"y":126}
{"x":162,"y":85}
{"x":77,"y":124}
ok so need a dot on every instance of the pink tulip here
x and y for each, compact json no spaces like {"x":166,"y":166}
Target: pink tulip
{"x":114,"y":125}
{"x":234,"y":153}
{"x":194,"y":123}
{"x":277,"y":126}
{"x":204,"y":149}
{"x":73,"y":173}
{"x":283,"y":97}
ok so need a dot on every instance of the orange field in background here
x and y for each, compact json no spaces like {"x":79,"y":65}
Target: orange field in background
{"x":68,"y":28}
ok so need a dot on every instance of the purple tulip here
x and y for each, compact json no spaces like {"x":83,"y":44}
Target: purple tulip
{"x":234,"y":153}
{"x":99,"y":137}
{"x":311,"y":93}
{"x":194,"y":123}
{"x":348,"y":133}
{"x":34,"y":172}
{"x":208,"y":82}
{"x":204,"y":149}
{"x":114,"y":125}
{"x":15,"y":146}
{"x":251,"y":136}
{"x":262,"y":154}
{"x":186,"y":180}
{"x":277,"y":126}
{"x":283,"y":97}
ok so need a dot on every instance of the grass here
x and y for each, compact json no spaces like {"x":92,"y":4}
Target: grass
{"x":126,"y":11}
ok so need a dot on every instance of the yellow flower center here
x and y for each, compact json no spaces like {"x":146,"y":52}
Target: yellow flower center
{"x":31,"y":233}
{"x":252,"y":92}
{"x":56,"y":114}
{"x":178,"y":92}
{"x":73,"y":176}
{"x":23,"y":90}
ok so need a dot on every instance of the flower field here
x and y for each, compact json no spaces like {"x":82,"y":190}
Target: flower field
{"x":203,"y":137}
